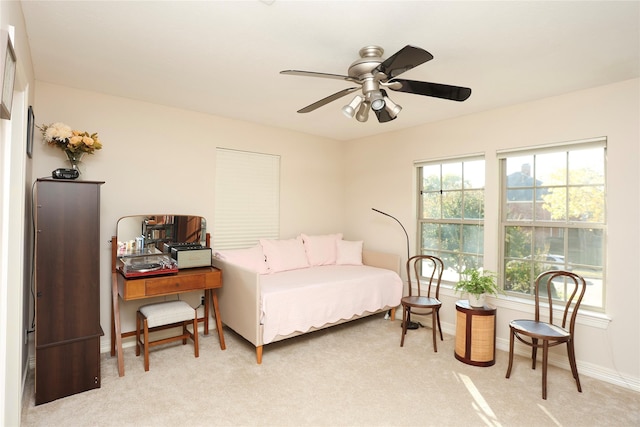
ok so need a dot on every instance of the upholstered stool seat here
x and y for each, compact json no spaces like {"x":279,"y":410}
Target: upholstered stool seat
{"x":165,"y":314}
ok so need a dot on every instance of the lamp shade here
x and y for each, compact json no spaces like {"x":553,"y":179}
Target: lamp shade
{"x":350,"y":109}
{"x":363,"y":113}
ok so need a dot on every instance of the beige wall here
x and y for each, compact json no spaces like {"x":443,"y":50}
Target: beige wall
{"x":162,"y":160}
{"x":382,"y":176}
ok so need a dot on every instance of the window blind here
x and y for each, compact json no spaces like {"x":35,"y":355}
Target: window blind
{"x":247,"y":198}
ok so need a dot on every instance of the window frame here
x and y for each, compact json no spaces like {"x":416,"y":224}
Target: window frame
{"x":452,"y":274}
{"x":566,"y":228}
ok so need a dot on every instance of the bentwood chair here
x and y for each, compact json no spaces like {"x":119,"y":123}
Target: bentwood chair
{"x":538,"y":333}
{"x":430,"y":268}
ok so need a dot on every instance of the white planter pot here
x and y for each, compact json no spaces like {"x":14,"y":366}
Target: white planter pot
{"x":476,"y":300}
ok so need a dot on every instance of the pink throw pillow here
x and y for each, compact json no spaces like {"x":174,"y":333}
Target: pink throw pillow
{"x":283,"y":255}
{"x":321,"y":250}
{"x":349,"y":253}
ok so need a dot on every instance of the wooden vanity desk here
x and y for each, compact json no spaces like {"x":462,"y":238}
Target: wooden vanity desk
{"x":206,"y":279}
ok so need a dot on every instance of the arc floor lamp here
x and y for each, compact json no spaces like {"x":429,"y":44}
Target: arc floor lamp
{"x":410,"y":324}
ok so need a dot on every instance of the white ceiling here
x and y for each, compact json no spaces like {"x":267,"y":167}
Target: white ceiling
{"x":224,"y":57}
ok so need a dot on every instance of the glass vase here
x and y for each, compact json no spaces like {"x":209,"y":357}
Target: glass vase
{"x":75,"y":159}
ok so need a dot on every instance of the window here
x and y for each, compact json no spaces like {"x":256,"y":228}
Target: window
{"x":451,"y":213}
{"x":553,"y":216}
{"x":247,"y":198}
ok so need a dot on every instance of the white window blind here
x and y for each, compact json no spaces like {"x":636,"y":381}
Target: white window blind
{"x":247,"y":198}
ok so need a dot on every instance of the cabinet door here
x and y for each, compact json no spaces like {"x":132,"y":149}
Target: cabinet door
{"x":66,"y":369}
{"x":67,"y":261}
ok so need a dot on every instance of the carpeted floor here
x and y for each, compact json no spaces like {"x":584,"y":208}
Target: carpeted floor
{"x":350,"y":375}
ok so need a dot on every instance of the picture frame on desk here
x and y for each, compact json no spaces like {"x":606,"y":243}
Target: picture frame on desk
{"x":30,"y":129}
{"x":9,"y":76}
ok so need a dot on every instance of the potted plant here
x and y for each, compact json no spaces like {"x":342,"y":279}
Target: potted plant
{"x":477,"y":284}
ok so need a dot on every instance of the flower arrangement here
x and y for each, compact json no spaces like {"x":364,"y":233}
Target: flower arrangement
{"x":70,"y":141}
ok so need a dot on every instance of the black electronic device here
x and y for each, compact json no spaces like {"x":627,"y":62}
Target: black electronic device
{"x":65,"y":173}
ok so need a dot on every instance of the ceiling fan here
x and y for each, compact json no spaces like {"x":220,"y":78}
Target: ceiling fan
{"x":373,"y":74}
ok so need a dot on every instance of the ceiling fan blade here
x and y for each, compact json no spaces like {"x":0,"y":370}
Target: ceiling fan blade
{"x":437,"y":90}
{"x":328,"y":99}
{"x":403,"y":60}
{"x":316,"y":74}
{"x":384,"y":116}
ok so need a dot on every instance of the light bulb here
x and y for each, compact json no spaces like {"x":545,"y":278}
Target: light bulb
{"x":376,"y":100}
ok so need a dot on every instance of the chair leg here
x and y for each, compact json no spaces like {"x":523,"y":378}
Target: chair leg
{"x":511,"y":340}
{"x":439,"y":328}
{"x":534,"y":352}
{"x":572,"y":362}
{"x":195,"y":337}
{"x":185,"y":331}
{"x":545,"y":355}
{"x":137,"y":334}
{"x":434,"y":316}
{"x":404,"y":324}
{"x":146,"y":345}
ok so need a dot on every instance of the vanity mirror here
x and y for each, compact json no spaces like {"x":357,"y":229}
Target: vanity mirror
{"x":149,"y":234}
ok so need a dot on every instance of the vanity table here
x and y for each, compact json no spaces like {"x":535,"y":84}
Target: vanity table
{"x":148,"y":242}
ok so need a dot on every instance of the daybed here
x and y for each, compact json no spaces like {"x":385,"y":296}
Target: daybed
{"x":283,"y":288}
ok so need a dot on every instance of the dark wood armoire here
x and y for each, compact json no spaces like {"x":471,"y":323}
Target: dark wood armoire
{"x":67,"y":288}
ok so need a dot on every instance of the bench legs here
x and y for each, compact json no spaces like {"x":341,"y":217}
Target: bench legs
{"x":142,"y":328}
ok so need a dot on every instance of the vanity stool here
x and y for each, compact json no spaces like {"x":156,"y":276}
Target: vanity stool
{"x":165,"y":314}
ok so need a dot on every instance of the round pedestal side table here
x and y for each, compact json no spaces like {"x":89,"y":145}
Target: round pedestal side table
{"x":475,"y":334}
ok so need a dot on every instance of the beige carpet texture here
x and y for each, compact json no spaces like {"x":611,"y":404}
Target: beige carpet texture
{"x":354,"y":374}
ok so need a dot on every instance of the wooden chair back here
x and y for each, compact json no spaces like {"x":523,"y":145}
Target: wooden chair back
{"x":574,"y":288}
{"x":430,"y":268}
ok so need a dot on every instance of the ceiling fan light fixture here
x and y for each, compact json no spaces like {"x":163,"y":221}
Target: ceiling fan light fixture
{"x":363,"y":112}
{"x":392,"y":108}
{"x":376,"y":99}
{"x":350,"y":109}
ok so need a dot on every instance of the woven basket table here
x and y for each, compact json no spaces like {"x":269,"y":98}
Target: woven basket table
{"x":475,"y":334}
